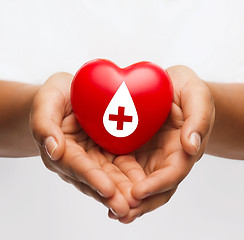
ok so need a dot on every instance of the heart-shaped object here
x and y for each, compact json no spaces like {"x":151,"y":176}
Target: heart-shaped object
{"x":121,"y":109}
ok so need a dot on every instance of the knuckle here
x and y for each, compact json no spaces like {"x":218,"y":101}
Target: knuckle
{"x":118,"y":160}
{"x":132,"y":170}
{"x":205,"y":123}
{"x":113,"y":172}
{"x":60,"y":75}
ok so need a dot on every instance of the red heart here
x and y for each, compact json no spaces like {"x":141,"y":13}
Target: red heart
{"x":121,"y":109}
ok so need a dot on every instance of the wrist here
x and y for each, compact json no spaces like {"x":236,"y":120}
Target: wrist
{"x":25,"y":96}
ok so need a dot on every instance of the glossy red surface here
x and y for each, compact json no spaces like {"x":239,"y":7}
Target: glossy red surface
{"x":95,"y":84}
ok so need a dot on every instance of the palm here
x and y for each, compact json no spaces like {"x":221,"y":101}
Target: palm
{"x":81,"y":162}
{"x":164,"y":149}
{"x":163,"y":160}
{"x":77,"y":139}
{"x":163,"y":153}
{"x":92,"y":159}
{"x":162,"y":156}
{"x":150,"y":173}
{"x":169,"y":156}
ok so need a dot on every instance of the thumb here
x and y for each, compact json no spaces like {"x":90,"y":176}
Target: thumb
{"x":198,"y":110}
{"x":48,"y":111}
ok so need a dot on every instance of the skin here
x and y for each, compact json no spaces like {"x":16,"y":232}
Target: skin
{"x":129,"y":185}
{"x":81,"y":162}
{"x":169,"y":156}
{"x":227,"y":136}
{"x":15,"y":105}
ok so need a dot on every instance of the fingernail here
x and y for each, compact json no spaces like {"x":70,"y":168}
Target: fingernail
{"x":100,"y":194}
{"x":113,"y":212}
{"x":195,"y":140}
{"x":50,"y":146}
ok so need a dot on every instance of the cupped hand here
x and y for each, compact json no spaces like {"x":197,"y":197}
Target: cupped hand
{"x":169,"y":156}
{"x":134,"y":184}
{"x":67,"y":150}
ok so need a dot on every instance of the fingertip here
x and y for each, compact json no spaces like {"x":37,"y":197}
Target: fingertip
{"x":191,"y":142}
{"x":97,"y":179}
{"x":125,"y":189}
{"x":133,"y":202}
{"x":139,"y":191}
{"x":130,"y":217}
{"x":118,"y":205}
{"x":112,"y":215}
{"x":50,"y":145}
{"x":195,"y":140}
{"x":48,"y":135}
{"x":126,"y":220}
{"x":54,"y":145}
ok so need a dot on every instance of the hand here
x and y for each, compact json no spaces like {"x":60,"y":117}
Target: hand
{"x":169,"y":156}
{"x":67,"y":150}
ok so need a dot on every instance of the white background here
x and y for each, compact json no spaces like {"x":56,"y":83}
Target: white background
{"x":38,"y":38}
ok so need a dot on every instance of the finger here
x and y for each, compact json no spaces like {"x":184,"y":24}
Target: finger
{"x":198,"y":111}
{"x":149,"y":204}
{"x":130,"y":167}
{"x":175,"y":169}
{"x":197,"y":105}
{"x":116,"y":204}
{"x":81,"y":187}
{"x":112,"y":215}
{"x":48,"y":110}
{"x":121,"y":182}
{"x":76,"y":164}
